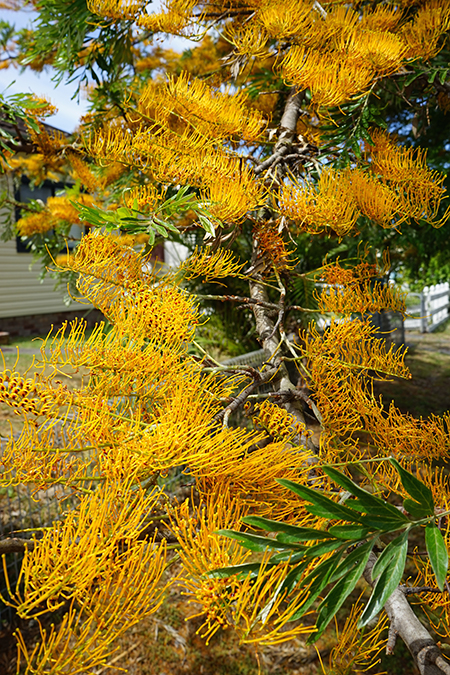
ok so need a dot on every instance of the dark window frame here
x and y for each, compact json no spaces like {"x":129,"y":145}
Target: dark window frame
{"x":22,"y":246}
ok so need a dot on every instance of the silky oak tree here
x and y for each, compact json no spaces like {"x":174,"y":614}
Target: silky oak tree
{"x":266,"y":135}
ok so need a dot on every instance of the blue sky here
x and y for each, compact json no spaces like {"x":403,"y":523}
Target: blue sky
{"x":69,"y":109}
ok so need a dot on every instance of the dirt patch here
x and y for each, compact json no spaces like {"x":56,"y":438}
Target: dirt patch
{"x":428,"y":391}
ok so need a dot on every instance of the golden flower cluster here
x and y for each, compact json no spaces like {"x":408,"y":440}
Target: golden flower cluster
{"x":57,"y":212}
{"x":337,"y":53}
{"x":280,"y":424}
{"x":27,"y":395}
{"x":395,"y":187}
{"x":95,"y":562}
{"x":272,"y":246}
{"x":210,"y":111}
{"x":211,"y":265}
{"x":183,"y":157}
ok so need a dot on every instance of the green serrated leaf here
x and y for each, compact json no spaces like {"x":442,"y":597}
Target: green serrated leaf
{"x":432,"y":76}
{"x":414,"y":487}
{"x":388,"y":580}
{"x":437,"y":552}
{"x":302,"y":533}
{"x":326,"y":508}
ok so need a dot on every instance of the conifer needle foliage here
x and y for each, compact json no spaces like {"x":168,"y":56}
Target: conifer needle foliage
{"x":264,"y":148}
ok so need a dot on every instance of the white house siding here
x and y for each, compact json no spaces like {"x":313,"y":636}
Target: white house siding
{"x":21,"y":292}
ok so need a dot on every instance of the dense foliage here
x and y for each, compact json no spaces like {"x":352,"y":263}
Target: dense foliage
{"x":268,"y":149}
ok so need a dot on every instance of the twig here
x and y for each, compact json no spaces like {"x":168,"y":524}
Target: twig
{"x":239,"y":298}
{"x":16,"y":545}
{"x":242,"y":397}
{"x":392,"y":639}
{"x":281,"y":307}
{"x":413,"y":590}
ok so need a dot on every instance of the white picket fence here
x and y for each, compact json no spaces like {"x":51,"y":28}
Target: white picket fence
{"x":431,"y":310}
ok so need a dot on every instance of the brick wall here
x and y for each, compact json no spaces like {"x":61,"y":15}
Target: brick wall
{"x":40,"y":324}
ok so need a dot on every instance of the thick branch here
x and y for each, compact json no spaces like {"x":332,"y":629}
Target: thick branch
{"x":270,"y":332}
{"x":415,"y":636}
{"x":288,"y":125}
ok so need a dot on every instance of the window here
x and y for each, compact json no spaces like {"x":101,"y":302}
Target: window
{"x":25,"y":194}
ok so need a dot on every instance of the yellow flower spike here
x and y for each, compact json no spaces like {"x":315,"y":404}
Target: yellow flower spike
{"x":146,"y":196}
{"x":35,"y":223}
{"x":277,"y":422}
{"x":422,"y":34}
{"x":211,"y":265}
{"x":362,"y":298}
{"x":348,"y":343}
{"x":419,"y":439}
{"x":203,"y":550}
{"x":74,"y":554}
{"x":130,"y":591}
{"x":285,"y":19}
{"x":420,"y":189}
{"x":374,"y":199}
{"x":383,"y":51}
{"x":57,"y":209}
{"x":119,"y":10}
{"x":216,"y":114}
{"x":272,"y":246}
{"x":381,"y":18}
{"x":232,"y":197}
{"x":176,"y":19}
{"x":329,"y":204}
{"x":258,"y":611}
{"x":356,"y":651}
{"x":248,"y":40}
{"x":82,"y":172}
{"x":332,"y":80}
{"x":50,"y":143}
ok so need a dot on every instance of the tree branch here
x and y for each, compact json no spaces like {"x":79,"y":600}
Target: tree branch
{"x":15,"y":545}
{"x":415,"y":636}
{"x":288,"y":125}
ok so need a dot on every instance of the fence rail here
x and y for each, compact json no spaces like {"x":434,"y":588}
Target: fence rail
{"x":432,"y":307}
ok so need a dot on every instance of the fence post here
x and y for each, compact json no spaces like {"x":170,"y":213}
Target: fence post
{"x":423,"y":313}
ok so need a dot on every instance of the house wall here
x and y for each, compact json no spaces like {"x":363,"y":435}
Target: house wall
{"x":21,"y":292}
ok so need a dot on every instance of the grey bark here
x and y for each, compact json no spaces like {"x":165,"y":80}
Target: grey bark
{"x":413,"y":633}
